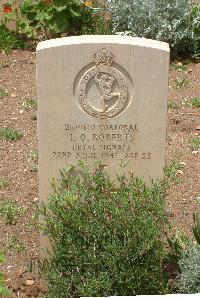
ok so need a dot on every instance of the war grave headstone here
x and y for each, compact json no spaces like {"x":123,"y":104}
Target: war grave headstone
{"x":101,"y":98}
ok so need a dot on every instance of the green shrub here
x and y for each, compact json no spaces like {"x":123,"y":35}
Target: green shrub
{"x":105,"y":241}
{"x":195,"y":142}
{"x":3,"y":93}
{"x":190,"y":269}
{"x":195,"y":23}
{"x":180,"y":82}
{"x":189,"y":262}
{"x":174,"y":21}
{"x":172,"y":104}
{"x":171,"y":171}
{"x":44,"y":19}
{"x":10,"y":211}
{"x":3,"y":290}
{"x":196,"y":227}
{"x":30,"y":104}
{"x":33,"y":159}
{"x":16,"y":244}
{"x":192,"y":102}
{"x":10,"y":134}
{"x":10,"y":40}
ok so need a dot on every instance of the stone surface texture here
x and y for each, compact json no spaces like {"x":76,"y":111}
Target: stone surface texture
{"x":101,"y":98}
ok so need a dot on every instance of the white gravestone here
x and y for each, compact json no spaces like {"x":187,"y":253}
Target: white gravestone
{"x":102,"y":98}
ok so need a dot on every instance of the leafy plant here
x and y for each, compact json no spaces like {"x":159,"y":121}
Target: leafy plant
{"x":10,"y":211}
{"x":10,"y":40}
{"x":30,"y":104}
{"x":172,"y":21}
{"x":189,"y":262}
{"x":4,"y":182}
{"x":178,"y":244}
{"x":178,"y":66}
{"x":101,"y":25}
{"x":15,"y":244}
{"x":180,"y":82}
{"x":105,"y":241}
{"x":195,"y":25}
{"x":33,"y":156}
{"x":190,"y":269}
{"x":3,"y":93}
{"x":195,"y":142}
{"x":3,"y":291}
{"x":196,"y":227}
{"x":193,"y":102}
{"x":33,"y":159}
{"x":10,"y":134}
{"x":172,"y":170}
{"x":46,"y":19}
{"x":7,"y":39}
{"x":173,"y":105}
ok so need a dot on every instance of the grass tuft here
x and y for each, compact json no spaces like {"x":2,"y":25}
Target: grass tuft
{"x":173,"y":105}
{"x":15,"y":244}
{"x":3,"y":291}
{"x":181,"y":82}
{"x":4,"y":182}
{"x":33,"y":159}
{"x":10,"y":211}
{"x":172,"y":171}
{"x":193,"y":102}
{"x":10,"y":134}
{"x":178,"y":66}
{"x":30,"y":104}
{"x":3,"y":93}
{"x":195,"y":142}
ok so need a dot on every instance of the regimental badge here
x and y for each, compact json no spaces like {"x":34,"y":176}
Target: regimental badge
{"x":102,"y":90}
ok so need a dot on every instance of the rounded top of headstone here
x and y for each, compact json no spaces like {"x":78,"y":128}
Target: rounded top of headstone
{"x":103,"y":39}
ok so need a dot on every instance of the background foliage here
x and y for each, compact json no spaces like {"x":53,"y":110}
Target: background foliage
{"x":174,"y":21}
{"x":45,"y":19}
{"x":10,"y":40}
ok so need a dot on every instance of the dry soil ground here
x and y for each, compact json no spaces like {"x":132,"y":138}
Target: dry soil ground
{"x":18,"y":161}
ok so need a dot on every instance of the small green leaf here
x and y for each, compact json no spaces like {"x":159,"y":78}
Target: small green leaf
{"x":2,"y":257}
{"x":74,"y":13}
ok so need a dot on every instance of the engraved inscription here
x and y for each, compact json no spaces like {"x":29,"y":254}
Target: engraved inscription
{"x":97,"y":141}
